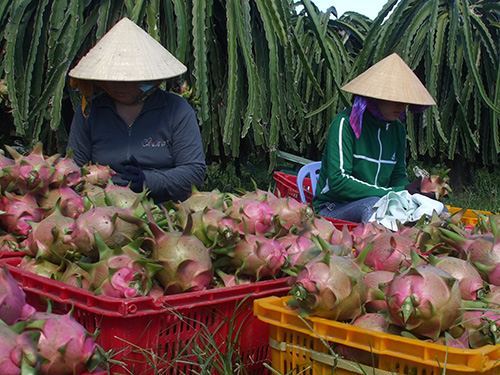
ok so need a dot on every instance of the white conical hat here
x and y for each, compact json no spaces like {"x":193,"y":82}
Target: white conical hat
{"x":390,"y":79}
{"x":127,"y":53}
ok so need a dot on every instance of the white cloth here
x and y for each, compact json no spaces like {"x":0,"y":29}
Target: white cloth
{"x":403,"y":207}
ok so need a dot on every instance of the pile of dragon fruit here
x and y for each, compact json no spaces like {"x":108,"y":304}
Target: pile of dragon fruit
{"x":437,"y":281}
{"x":78,"y":228}
{"x":41,"y":342}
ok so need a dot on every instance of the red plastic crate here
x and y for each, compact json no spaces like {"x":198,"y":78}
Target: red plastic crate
{"x":286,"y":186}
{"x":164,"y":326}
{"x":12,"y":254}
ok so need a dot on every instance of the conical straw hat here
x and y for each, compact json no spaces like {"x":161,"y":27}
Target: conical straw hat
{"x":127,"y":53}
{"x":390,"y":79}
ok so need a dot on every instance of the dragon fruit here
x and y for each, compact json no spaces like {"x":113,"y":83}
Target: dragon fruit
{"x":121,"y":272}
{"x":254,"y":216}
{"x":69,"y":202}
{"x":331,"y":287}
{"x":375,"y":282}
{"x":31,"y":173}
{"x":116,"y":226}
{"x":13,"y":306}
{"x":75,"y":276}
{"x":41,"y":267}
{"x":9,"y":243}
{"x":295,"y":246}
{"x":18,"y":355}
{"x":290,"y":213}
{"x":199,"y":200}
{"x":214,"y":228}
{"x":482,"y":326}
{"x":187,"y":263}
{"x":437,"y":184}
{"x":97,"y":174}
{"x":67,"y":172}
{"x":424,"y":299}
{"x":389,"y":251}
{"x":46,"y":240}
{"x":18,"y":211}
{"x":469,"y":279}
{"x":482,"y":250}
{"x":63,"y":343}
{"x":258,"y":257}
{"x":319,"y":226}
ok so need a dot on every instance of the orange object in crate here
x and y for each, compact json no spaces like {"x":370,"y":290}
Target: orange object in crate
{"x":150,"y":335}
{"x":470,"y":216}
{"x":302,"y":346}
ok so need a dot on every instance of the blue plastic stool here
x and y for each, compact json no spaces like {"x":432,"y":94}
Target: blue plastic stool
{"x":311,"y":170}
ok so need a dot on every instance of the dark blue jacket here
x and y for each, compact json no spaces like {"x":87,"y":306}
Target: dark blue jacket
{"x":165,"y":139}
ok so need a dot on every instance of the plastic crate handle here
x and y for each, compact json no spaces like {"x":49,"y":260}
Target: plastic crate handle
{"x":328,"y":359}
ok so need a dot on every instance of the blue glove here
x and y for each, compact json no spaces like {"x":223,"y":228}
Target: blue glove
{"x":133,"y":172}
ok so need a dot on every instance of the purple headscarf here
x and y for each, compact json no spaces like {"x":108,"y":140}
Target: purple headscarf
{"x":361,"y":103}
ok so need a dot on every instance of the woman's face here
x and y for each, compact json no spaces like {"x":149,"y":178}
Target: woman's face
{"x":390,"y":110}
{"x":122,"y":92}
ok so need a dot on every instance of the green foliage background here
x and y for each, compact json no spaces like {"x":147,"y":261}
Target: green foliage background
{"x":267,"y":72}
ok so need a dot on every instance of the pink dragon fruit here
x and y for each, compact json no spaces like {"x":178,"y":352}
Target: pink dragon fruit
{"x":331,"y":287}
{"x":66,"y":173}
{"x":75,"y":276}
{"x":9,"y":243}
{"x":254,"y":216}
{"x":116,"y":226}
{"x":69,"y":202}
{"x":482,"y":250}
{"x":437,"y":184}
{"x":13,"y":306}
{"x":214,"y":228}
{"x":47,"y":238}
{"x":319,"y":226}
{"x":482,"y":326}
{"x":375,"y":282}
{"x":41,"y":267}
{"x":63,"y":343}
{"x":290,"y":213}
{"x":295,"y":246}
{"x":18,"y":354}
{"x":123,"y":197}
{"x":258,"y":256}
{"x":97,"y":174}
{"x":364,"y":231}
{"x":259,"y":194}
{"x":122,"y":272}
{"x":189,"y":267}
{"x":389,"y":252}
{"x":18,"y":211}
{"x":31,"y":173}
{"x":199,"y":200}
{"x":469,"y":279}
{"x":425,"y":300}
{"x":229,"y":280}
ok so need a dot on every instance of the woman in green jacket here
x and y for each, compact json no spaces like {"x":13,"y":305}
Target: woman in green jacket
{"x":365,"y":154}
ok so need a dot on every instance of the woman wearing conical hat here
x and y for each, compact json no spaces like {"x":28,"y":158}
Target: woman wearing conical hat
{"x":149,"y":136}
{"x":365,"y":155}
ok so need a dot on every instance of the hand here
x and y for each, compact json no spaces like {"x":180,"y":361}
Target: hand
{"x":133,"y":172}
{"x":414,"y":186}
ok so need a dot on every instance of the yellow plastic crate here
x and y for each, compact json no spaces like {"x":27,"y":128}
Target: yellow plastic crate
{"x":470,"y":216}
{"x":301,"y":346}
